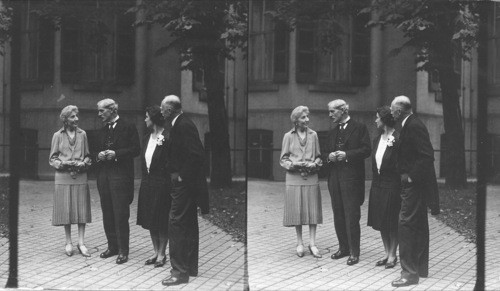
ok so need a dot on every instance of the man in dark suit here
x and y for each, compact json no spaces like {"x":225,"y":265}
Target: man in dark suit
{"x":189,"y":189}
{"x":418,"y":190}
{"x":348,"y":147}
{"x":119,"y":144}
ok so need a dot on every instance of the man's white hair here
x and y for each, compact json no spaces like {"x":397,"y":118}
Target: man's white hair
{"x":172,"y":100}
{"x":402,"y":102}
{"x":108,"y":103}
{"x":339,"y":104}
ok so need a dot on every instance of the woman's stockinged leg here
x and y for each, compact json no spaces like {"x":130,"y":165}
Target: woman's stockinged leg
{"x":81,"y":233}
{"x":67,"y":231}
{"x":312,"y":234}
{"x":393,"y":244}
{"x":386,"y":240}
{"x":298,"y":230}
{"x":155,"y":238}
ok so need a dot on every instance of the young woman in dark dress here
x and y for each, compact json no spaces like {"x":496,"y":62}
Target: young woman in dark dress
{"x":385,"y":201}
{"x":154,"y":195}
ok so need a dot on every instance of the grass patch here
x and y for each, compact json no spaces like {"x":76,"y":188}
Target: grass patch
{"x":228,"y":210}
{"x":4,"y":206}
{"x":458,"y":209}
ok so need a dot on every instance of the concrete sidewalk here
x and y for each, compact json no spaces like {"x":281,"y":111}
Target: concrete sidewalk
{"x":43,"y":263}
{"x":492,"y":238}
{"x":273,"y":264}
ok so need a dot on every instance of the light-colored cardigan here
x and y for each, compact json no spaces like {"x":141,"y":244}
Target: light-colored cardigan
{"x":292,"y":152}
{"x":61,"y":150}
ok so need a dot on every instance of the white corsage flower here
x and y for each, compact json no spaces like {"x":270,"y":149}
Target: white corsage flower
{"x":390,"y":141}
{"x":160,"y":139}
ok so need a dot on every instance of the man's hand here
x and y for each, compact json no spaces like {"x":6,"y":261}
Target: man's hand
{"x":332,"y":157}
{"x":341,"y":156}
{"x":101,"y":156}
{"x":110,"y":155}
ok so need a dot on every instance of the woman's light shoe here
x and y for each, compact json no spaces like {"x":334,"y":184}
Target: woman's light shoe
{"x":314,"y":251}
{"x":83,"y":250}
{"x":69,"y":250}
{"x":300,"y":251}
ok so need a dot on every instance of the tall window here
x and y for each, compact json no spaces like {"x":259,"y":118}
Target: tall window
{"x":347,"y":63}
{"x":494,"y":49}
{"x":37,"y":51}
{"x":102,"y":52}
{"x":268,"y":57}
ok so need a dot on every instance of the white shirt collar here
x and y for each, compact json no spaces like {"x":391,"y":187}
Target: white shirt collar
{"x":404,"y":120}
{"x":114,"y":120}
{"x":175,"y":118}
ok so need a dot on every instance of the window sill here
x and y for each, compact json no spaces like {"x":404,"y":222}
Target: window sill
{"x":332,"y":88}
{"x":262,"y":87}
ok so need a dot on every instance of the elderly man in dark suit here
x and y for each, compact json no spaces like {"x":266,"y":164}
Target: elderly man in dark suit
{"x":185,"y":156}
{"x":418,"y":190}
{"x":348,"y":147}
{"x":119,"y":144}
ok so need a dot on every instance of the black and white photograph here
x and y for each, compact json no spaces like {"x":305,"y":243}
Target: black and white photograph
{"x":249,"y":144}
{"x":129,"y":144}
{"x":372,"y":125}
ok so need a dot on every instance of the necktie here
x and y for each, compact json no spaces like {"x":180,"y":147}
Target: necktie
{"x":341,"y":126}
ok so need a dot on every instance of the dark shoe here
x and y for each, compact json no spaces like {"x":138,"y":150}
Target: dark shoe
{"x":352,"y":260}
{"x":339,"y":254}
{"x":83,"y":250}
{"x":381,"y":263}
{"x":150,"y":261}
{"x":161,"y":263}
{"x":193,"y":274}
{"x":402,"y":282}
{"x":107,"y":253}
{"x":171,"y":281}
{"x":392,"y":264}
{"x":314,"y":251}
{"x":121,"y":259}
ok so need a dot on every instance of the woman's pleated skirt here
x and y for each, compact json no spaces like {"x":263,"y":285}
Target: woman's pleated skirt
{"x":71,"y":204}
{"x":302,"y":205}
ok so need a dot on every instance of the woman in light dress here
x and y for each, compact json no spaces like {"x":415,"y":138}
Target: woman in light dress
{"x":70,"y":157}
{"x":300,"y":156}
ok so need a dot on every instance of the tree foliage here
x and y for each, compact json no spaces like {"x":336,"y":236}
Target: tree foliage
{"x":200,"y":27}
{"x":431,"y":27}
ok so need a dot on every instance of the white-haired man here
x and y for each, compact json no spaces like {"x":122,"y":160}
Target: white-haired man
{"x":348,"y":147}
{"x":185,"y":157}
{"x":119,"y":144}
{"x":418,"y":190}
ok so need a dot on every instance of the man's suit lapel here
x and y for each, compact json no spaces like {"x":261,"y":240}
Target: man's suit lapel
{"x":349,"y":129}
{"x":334,"y":133}
{"x":174,"y":128}
{"x":116,"y":130}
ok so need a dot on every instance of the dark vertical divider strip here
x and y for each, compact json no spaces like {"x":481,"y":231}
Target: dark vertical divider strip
{"x":482,"y":146}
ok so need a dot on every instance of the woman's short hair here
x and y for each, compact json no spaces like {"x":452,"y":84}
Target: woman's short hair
{"x":155,"y":115}
{"x":297,"y":112}
{"x":67,"y":111}
{"x":385,"y":116}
